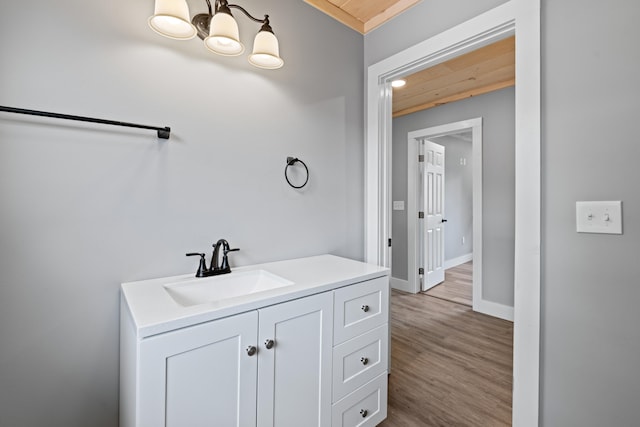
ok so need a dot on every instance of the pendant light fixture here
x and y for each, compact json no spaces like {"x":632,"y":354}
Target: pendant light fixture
{"x":224,"y":38}
{"x":218,"y":29}
{"x":266,"y":52}
{"x":171,"y":19}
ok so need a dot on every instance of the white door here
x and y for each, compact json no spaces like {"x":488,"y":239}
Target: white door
{"x":433,"y":176}
{"x":294,"y":367}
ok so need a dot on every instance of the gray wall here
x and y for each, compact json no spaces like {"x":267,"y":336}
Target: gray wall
{"x":458,"y":201}
{"x":590,"y":294}
{"x":497,"y":110}
{"x":591,"y":283}
{"x":86,"y":207}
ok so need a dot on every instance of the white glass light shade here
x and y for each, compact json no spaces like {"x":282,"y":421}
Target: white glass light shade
{"x":266,"y":52}
{"x":224,"y":38}
{"x":171,"y":19}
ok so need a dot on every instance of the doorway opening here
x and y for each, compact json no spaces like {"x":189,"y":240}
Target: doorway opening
{"x":447,"y":241}
{"x":472,"y":129}
{"x":520,"y":17}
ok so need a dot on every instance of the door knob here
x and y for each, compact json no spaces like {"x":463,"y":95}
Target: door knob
{"x":251,"y":350}
{"x":269,"y":344}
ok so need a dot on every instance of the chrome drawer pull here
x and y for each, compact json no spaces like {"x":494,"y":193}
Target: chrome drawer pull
{"x":365,"y":308}
{"x":251,"y":350}
{"x":364,"y":360}
{"x":364,"y":413}
{"x":269,"y":344}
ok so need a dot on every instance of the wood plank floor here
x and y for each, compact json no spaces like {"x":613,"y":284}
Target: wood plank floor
{"x":457,"y":285}
{"x":449,"y":365}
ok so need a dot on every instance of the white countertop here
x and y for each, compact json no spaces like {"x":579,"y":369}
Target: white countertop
{"x":153,"y":311}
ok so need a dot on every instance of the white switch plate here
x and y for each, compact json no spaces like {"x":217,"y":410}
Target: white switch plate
{"x":398,"y":205}
{"x":599,"y":217}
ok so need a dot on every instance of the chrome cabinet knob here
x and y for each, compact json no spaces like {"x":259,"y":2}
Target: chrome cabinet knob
{"x":269,"y":344}
{"x":251,"y":350}
{"x":364,"y":413}
{"x":364,"y":360}
{"x":365,"y":308}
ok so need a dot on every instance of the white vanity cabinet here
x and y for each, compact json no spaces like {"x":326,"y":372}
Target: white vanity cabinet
{"x":314,"y":354}
{"x":267,"y":368}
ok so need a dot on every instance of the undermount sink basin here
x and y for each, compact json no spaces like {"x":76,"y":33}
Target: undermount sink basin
{"x":235,"y":284}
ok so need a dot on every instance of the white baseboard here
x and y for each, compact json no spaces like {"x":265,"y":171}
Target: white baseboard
{"x":494,"y":309}
{"x":450,"y":263}
{"x":401,"y":285}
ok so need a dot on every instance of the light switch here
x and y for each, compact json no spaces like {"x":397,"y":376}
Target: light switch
{"x":599,"y":217}
{"x":398,"y":205}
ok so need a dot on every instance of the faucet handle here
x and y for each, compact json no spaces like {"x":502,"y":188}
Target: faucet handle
{"x":225,"y":261}
{"x":203,"y":264}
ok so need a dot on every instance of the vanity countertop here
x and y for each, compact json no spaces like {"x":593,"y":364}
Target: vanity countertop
{"x":154,"y":311}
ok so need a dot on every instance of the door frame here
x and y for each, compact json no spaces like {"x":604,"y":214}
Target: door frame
{"x":522,"y":18}
{"x":413,"y":225}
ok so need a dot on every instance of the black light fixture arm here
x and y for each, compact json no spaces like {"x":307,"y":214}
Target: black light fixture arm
{"x":221,"y":5}
{"x":202,"y":21}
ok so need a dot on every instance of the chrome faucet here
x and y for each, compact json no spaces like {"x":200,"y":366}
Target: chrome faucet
{"x":215,"y":267}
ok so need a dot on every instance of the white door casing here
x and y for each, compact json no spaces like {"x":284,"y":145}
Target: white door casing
{"x":414,"y":196}
{"x":433,"y":213}
{"x":522,"y":18}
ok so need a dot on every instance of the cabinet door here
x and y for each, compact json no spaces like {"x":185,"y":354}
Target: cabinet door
{"x":200,"y":375}
{"x":294,"y":376}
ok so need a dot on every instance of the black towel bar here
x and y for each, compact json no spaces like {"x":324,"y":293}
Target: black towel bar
{"x":163,"y":133}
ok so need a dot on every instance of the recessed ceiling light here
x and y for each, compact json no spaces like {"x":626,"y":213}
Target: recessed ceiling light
{"x":398,"y":83}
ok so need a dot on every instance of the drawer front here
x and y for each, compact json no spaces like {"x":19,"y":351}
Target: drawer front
{"x":360,"y":308}
{"x":365,"y":407}
{"x":359,"y":360}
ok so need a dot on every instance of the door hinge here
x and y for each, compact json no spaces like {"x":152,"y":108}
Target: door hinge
{"x":421,"y":271}
{"x":389,"y":241}
{"x":420,"y":215}
{"x":420,"y":158}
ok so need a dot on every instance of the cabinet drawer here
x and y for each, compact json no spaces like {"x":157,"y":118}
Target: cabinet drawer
{"x":365,"y":407}
{"x":359,"y":308}
{"x":359,"y":360}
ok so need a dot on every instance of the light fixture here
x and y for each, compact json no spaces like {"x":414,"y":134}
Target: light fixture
{"x":218,"y":29}
{"x":171,"y":19}
{"x":398,"y":83}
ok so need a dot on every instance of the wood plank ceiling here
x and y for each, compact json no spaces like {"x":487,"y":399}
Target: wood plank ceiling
{"x":484,"y":70}
{"x":481,"y":71}
{"x":362,"y":15}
